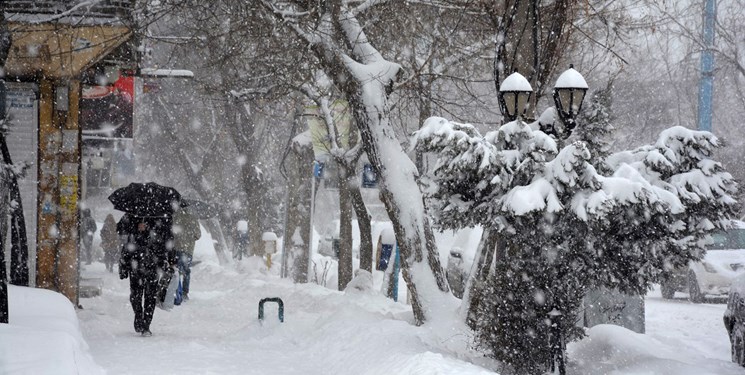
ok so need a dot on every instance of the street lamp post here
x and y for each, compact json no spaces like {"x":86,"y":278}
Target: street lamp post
{"x":3,"y":276}
{"x":569,"y":92}
{"x":5,"y":41}
{"x":514,"y":96}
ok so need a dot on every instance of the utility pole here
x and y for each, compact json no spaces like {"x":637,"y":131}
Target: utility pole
{"x":4,"y":50}
{"x":706,"y":85}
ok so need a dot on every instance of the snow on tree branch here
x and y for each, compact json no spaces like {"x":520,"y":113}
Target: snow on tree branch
{"x":566,"y":227}
{"x":363,"y":6}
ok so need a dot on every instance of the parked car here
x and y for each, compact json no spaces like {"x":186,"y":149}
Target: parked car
{"x":713,"y":275}
{"x":734,"y":320}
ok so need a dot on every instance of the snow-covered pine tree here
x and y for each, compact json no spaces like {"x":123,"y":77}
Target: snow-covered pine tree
{"x":567,"y":227}
{"x":596,"y":119}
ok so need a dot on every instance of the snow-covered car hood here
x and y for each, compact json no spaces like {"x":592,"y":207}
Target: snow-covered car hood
{"x":727,"y":263}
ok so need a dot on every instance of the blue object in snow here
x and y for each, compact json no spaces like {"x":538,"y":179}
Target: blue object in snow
{"x":706,"y":84}
{"x":318,"y":169}
{"x":385,"y":256}
{"x":369,"y":178}
{"x":396,"y":269}
{"x":179,"y":294}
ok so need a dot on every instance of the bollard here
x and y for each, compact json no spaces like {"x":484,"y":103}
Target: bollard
{"x":280,"y":313}
{"x":270,"y":246}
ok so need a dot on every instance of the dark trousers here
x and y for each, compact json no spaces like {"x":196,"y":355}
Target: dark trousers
{"x":143,"y":288}
{"x":110,"y":258}
{"x":88,"y":248}
{"x":184,"y":267}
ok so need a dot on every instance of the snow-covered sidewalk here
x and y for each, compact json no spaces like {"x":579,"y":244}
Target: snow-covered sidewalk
{"x":217,"y":331}
{"x":325,"y":332}
{"x":329,"y":332}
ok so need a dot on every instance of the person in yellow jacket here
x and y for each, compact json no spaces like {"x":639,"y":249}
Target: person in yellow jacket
{"x":185,"y":233}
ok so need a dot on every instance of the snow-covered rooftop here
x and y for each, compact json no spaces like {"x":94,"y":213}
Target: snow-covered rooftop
{"x":173,"y":73}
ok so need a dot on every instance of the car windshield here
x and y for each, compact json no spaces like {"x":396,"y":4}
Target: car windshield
{"x":731,"y":239}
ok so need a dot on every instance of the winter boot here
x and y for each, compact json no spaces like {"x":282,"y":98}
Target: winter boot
{"x":146,"y":333}
{"x":138,"y":326}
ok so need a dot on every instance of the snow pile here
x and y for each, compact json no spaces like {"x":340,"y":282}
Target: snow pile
{"x":610,"y":349}
{"x":43,"y":336}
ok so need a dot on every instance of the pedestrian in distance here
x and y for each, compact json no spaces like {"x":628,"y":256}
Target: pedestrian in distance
{"x":148,"y":253}
{"x":110,"y":242}
{"x":87,"y":229}
{"x":186,"y":232}
{"x":241,"y":239}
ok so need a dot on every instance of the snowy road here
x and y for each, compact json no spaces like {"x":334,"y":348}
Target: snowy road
{"x":698,"y":326}
{"x":217,"y":331}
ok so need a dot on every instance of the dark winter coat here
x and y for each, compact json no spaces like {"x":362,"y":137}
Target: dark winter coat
{"x":109,"y":237}
{"x":87,"y":223}
{"x":185,"y":231}
{"x":149,"y":244}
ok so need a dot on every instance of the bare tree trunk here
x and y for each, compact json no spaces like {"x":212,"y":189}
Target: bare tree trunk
{"x":365,"y":226}
{"x":4,"y":50}
{"x":400,"y":193}
{"x":368,"y":98}
{"x":346,"y":269}
{"x":477,"y":278}
{"x":534,"y":35}
{"x":195,"y":178}
{"x":241,"y":128}
{"x":297,"y":213}
{"x":252,"y":187}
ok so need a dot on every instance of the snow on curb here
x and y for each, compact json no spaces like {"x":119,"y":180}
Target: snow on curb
{"x":43,"y":336}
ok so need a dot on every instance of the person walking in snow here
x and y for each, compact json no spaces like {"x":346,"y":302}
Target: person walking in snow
{"x":241,"y":239}
{"x":185,"y":233}
{"x":109,"y":242}
{"x":147,"y":253}
{"x":87,"y":229}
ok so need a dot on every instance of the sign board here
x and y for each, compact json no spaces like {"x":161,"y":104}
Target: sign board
{"x":107,"y":163}
{"x":607,"y":306}
{"x":107,"y":111}
{"x":69,"y":189}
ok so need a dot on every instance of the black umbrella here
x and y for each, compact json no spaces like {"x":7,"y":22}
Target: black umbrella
{"x":148,"y":199}
{"x":200,"y":209}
